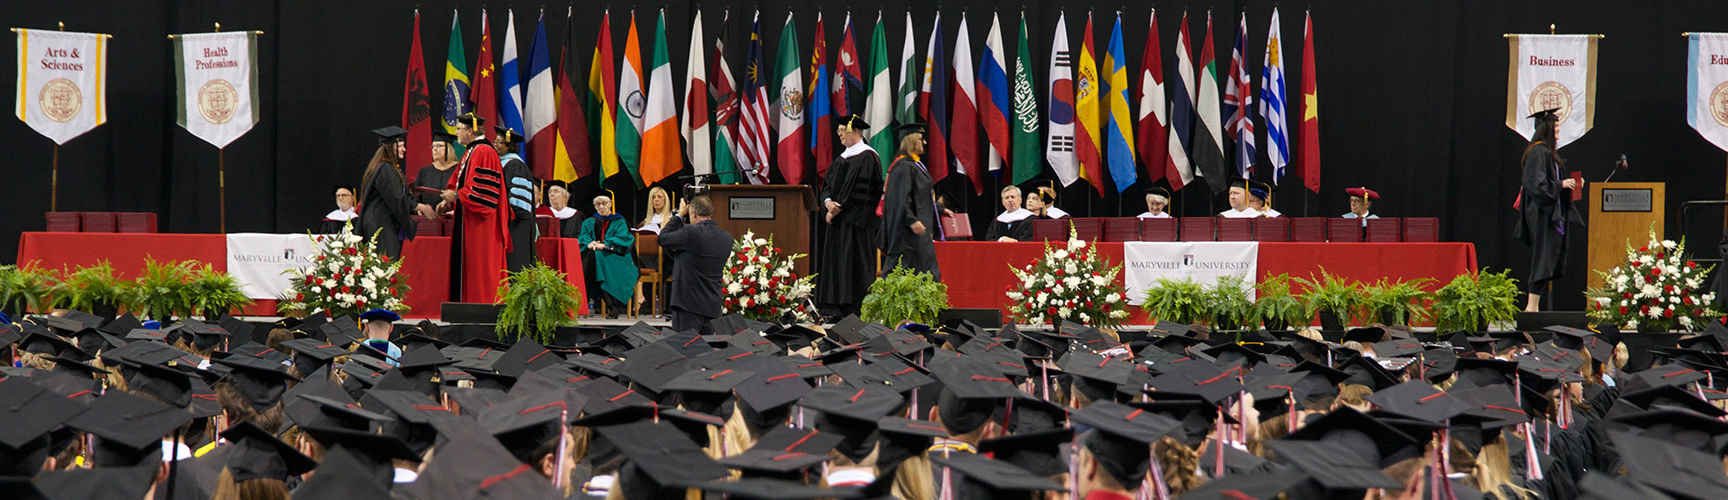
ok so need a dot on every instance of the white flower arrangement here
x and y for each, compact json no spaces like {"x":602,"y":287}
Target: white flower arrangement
{"x":1655,"y":288}
{"x":1069,"y":282}
{"x":760,"y":282}
{"x":346,"y":276}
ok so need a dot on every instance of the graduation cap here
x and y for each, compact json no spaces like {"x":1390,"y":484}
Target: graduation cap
{"x":374,"y":451}
{"x":1677,"y":470}
{"x":256,"y":454}
{"x":659,"y":457}
{"x":1041,"y":452}
{"x":999,"y":478}
{"x":1331,"y":465}
{"x":783,"y":452}
{"x":1362,"y":193}
{"x":332,"y":411}
{"x":1545,"y":115}
{"x":1366,"y":437}
{"x":1198,"y":380}
{"x":204,"y":335}
{"x":764,"y":399}
{"x":1398,"y":348}
{"x":1668,"y":395}
{"x":261,"y":383}
{"x":1486,"y":372}
{"x":129,"y":429}
{"x":1253,"y":486}
{"x":757,"y":488}
{"x":504,"y":135}
{"x":342,"y":475}
{"x":1122,"y":436}
{"x":1368,"y":372}
{"x":911,"y":128}
{"x":31,"y":412}
{"x":391,"y":134}
{"x":852,"y":412}
{"x":1094,"y":375}
{"x":706,"y":391}
{"x":439,"y":135}
{"x":852,"y":121}
{"x":101,"y":483}
{"x":47,"y":344}
{"x":969,"y":393}
{"x":1598,"y":486}
{"x":1679,"y":426}
{"x":1234,"y":352}
{"x":1418,"y":400}
{"x":1367,"y":335}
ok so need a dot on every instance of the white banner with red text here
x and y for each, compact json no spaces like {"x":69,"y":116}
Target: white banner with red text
{"x":1203,"y":262}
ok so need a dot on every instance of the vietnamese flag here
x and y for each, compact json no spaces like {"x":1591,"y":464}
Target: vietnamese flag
{"x":1309,"y":163}
{"x":416,"y":111}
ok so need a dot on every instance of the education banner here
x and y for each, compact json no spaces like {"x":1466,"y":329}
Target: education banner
{"x":259,"y":259}
{"x":1203,"y":262}
{"x":1707,"y":86}
{"x":1552,"y":72}
{"x":62,"y":79}
{"x":215,"y":73}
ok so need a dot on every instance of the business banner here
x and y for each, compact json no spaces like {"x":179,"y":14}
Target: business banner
{"x":1552,"y":72}
{"x":1707,"y":86}
{"x":1201,"y":261}
{"x":217,"y":75}
{"x":61,"y":80}
{"x":258,"y":261}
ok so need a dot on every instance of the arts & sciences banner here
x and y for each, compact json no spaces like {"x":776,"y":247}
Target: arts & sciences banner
{"x":62,"y":78}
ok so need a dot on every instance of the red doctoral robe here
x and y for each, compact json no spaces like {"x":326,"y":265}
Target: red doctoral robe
{"x":482,"y":236}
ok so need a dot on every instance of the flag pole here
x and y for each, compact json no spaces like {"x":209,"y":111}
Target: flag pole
{"x":54,"y":182}
{"x":222,"y":191}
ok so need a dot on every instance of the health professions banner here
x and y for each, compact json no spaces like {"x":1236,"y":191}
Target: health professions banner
{"x":1203,"y":262}
{"x":258,"y":260}
{"x":1552,"y":72}
{"x":1707,"y":86}
{"x":217,"y":75}
{"x":61,"y":80}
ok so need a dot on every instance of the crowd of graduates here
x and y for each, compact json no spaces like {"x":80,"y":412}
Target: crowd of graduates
{"x":327,"y":408}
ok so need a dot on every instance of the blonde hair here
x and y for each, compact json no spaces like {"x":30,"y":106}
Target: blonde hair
{"x":251,"y":489}
{"x":34,"y":360}
{"x":913,"y":479}
{"x":1354,"y":394}
{"x":665,"y":212}
{"x":1494,"y":472}
{"x":1180,"y":465}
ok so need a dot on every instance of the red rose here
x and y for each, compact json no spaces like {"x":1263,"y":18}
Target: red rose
{"x":385,"y":257}
{"x":1661,"y":255}
{"x":1623,"y":310}
{"x":299,"y":297}
{"x":1697,"y":312}
{"x":1655,"y":271}
{"x":1635,"y":263}
{"x":1052,"y":312}
{"x":1667,"y":288}
{"x":1058,"y":272}
{"x":1668,"y":313}
{"x":1691,"y":265}
{"x":1628,"y":295}
{"x":1686,"y":300}
{"x":1643,"y":309}
{"x":1644,"y":248}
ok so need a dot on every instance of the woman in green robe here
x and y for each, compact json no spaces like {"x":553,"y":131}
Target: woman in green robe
{"x":607,"y":256}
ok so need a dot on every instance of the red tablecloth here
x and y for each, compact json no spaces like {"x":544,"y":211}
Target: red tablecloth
{"x":425,"y":260}
{"x":977,"y":273}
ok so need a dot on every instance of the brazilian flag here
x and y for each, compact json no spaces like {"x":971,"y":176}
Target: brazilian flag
{"x":455,"y":79}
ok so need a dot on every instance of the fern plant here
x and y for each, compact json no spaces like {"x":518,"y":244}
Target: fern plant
{"x":214,"y":293}
{"x":90,"y":288}
{"x":1177,"y":301}
{"x":1332,"y":294}
{"x":1277,"y":307}
{"x":1227,"y":303}
{"x":902,"y":295}
{"x":162,"y":290}
{"x":1472,"y":302}
{"x":537,"y":300}
{"x":1399,"y":303}
{"x":27,"y":287}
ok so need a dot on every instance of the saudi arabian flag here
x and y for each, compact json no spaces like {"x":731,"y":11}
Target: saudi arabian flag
{"x":455,"y":79}
{"x":217,"y":75}
{"x":879,"y":103}
{"x":1025,"y":122}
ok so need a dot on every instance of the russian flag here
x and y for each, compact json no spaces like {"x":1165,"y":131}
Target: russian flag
{"x":993,"y":97}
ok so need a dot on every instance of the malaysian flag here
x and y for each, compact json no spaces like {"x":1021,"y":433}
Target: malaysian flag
{"x":754,"y":126}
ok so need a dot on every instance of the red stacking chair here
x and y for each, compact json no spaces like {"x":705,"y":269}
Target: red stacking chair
{"x":1308,"y":229}
{"x":1050,"y":229}
{"x":96,"y":222}
{"x":1341,"y":230}
{"x":63,"y":222}
{"x":1198,"y":228}
{"x":1163,"y":229}
{"x":135,"y":222}
{"x":1271,"y":229}
{"x":1421,"y":229}
{"x":1385,"y":230}
{"x":1122,"y":229}
{"x":1088,"y":228}
{"x":1235,"y":229}
{"x":428,"y":227}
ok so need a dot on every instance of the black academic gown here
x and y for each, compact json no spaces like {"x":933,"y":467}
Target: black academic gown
{"x":1020,"y":230}
{"x":519,"y":182}
{"x":430,"y":177}
{"x":1544,"y":211}
{"x":909,"y":200}
{"x":848,"y":255}
{"x":387,"y":209}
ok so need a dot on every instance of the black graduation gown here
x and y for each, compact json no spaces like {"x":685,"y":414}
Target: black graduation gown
{"x":519,"y":183}
{"x":1020,"y":230}
{"x":848,"y":255}
{"x":1544,"y":209}
{"x":387,"y":209}
{"x":908,"y":200}
{"x":430,"y":177}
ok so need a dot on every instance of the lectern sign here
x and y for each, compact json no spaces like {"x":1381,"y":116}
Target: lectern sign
{"x":1552,"y":72}
{"x":1707,"y":86}
{"x":739,"y":207}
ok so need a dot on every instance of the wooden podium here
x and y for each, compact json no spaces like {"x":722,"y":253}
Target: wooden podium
{"x":780,"y":210}
{"x":1621,"y":214}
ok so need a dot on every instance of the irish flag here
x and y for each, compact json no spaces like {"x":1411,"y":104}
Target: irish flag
{"x":660,"y":154}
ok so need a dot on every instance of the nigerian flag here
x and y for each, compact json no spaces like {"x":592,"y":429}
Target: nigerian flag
{"x":879,"y":102}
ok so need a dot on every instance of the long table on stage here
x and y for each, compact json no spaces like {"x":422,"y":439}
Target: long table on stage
{"x":425,"y":260}
{"x":978,"y":275}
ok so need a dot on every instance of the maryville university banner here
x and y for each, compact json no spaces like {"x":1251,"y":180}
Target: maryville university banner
{"x":216,"y":75}
{"x":1707,"y":86}
{"x":1144,"y":263}
{"x":1552,"y":72}
{"x":61,"y":82}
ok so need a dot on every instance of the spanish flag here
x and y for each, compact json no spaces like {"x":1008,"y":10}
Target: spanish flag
{"x":1086,"y":101}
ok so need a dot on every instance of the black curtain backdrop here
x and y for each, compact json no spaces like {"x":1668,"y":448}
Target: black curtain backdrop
{"x":1412,"y":100}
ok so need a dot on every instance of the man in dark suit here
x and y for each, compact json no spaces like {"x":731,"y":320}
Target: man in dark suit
{"x":699,"y":250}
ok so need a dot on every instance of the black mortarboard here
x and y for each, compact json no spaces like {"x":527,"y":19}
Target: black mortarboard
{"x":439,"y":135}
{"x":1331,"y":465}
{"x":1418,"y":400}
{"x":31,"y":412}
{"x":852,"y":120}
{"x":38,"y":342}
{"x":85,"y":371}
{"x":1664,"y":375}
{"x":659,"y":457}
{"x":130,"y":428}
{"x":998,"y":478}
{"x":1598,"y":486}
{"x":1546,"y":114}
{"x":911,"y":128}
{"x":504,"y":135}
{"x":390,"y":134}
{"x":1677,"y":470}
{"x":1038,"y":452}
{"x":784,"y":450}
{"x":332,"y":412}
{"x":342,"y":475}
{"x":168,"y":384}
{"x":1671,"y":396}
{"x":204,"y":335}
{"x":1367,"y":371}
{"x":261,"y":383}
{"x":1196,"y":417}
{"x":1122,"y":437}
{"x":1368,"y":335}
{"x":1398,"y":348}
{"x":1363,"y":435}
{"x":1250,"y":486}
{"x":867,"y":404}
{"x":1486,"y":372}
{"x":651,"y":366}
{"x":376,"y":451}
{"x":1233,"y":352}
{"x":1198,"y":380}
{"x":101,"y":483}
{"x":259,"y":455}
{"x":527,"y":423}
{"x":1679,"y":426}
{"x":758,"y":488}
{"x":1095,"y":375}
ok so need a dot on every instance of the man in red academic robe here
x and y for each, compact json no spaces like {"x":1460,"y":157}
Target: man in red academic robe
{"x":482,"y":238}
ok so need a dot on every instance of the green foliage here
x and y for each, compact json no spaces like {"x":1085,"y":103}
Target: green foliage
{"x":1472,"y":301}
{"x":87,"y":287}
{"x":1227,"y":303}
{"x":1276,"y":306}
{"x":163,"y":290}
{"x":29,"y":286}
{"x":1402,"y":302}
{"x":537,"y":301}
{"x":1334,"y":294}
{"x":1177,"y":301}
{"x":213,"y":292}
{"x":905,"y":295}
